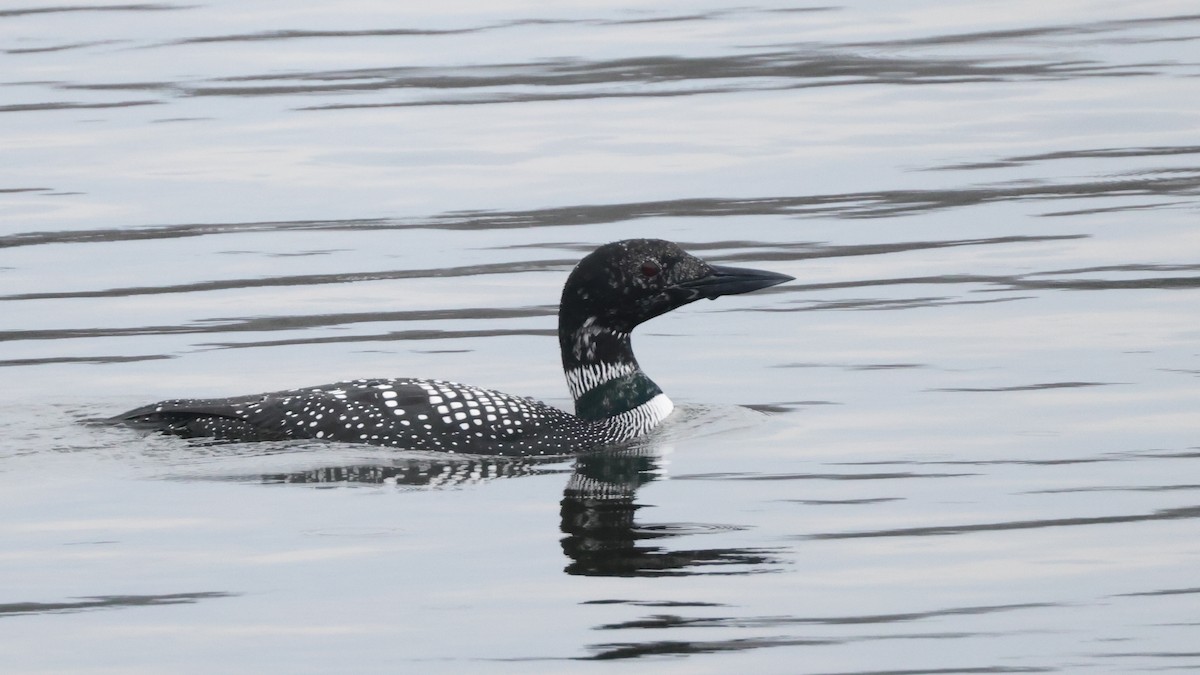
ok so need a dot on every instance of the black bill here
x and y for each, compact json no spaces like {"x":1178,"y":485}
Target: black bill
{"x":723,"y":280}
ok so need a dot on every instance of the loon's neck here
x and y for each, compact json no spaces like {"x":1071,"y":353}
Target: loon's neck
{"x":604,"y":376}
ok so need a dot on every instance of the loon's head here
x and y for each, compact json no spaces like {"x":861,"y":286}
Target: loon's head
{"x":622,"y":284}
{"x":610,"y":292}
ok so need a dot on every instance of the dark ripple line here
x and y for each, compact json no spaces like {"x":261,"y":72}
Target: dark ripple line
{"x":1166,"y":455}
{"x":1028,"y":387}
{"x":974,"y":37}
{"x":60,"y":48}
{"x":295,"y":34}
{"x":494,"y":99}
{"x":818,"y":476}
{"x":1126,"y":268}
{"x":1167,"y":591}
{"x":979,"y":670}
{"x":124,"y":86}
{"x":1182,"y":513}
{"x":796,"y":67}
{"x":144,"y":7}
{"x":784,"y":406}
{"x":1124,"y":208}
{"x":70,"y":105}
{"x":678,"y":18}
{"x":1159,"y":283}
{"x":1096,"y":153}
{"x":1132,"y":456}
{"x":560,"y":96}
{"x":7,"y":363}
{"x":659,"y":621}
{"x":108,"y":602}
{"x":1005,"y":282}
{"x":627,"y":650}
{"x":324,"y":34}
{"x":277,"y":323}
{"x":843,"y":502}
{"x":1041,"y":31}
{"x":1113,"y":488}
{"x":177,"y":231}
{"x":653,"y":603}
{"x":812,"y":250}
{"x":1155,"y":655}
{"x":885,"y":304}
{"x":299,"y":34}
{"x":388,"y":337}
{"x":1117,"y":457}
{"x":304,"y":280}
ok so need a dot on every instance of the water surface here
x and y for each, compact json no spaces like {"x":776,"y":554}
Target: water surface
{"x":964,"y":440}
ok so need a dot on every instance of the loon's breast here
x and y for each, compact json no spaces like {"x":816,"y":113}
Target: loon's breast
{"x":410,"y":413}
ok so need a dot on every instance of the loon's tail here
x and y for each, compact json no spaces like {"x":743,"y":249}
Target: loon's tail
{"x":198,"y":418}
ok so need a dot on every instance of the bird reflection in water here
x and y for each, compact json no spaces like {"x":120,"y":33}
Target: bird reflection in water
{"x":601,"y":533}
{"x":603,"y":537}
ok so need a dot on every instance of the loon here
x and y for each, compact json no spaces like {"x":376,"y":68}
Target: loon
{"x":610,"y":292}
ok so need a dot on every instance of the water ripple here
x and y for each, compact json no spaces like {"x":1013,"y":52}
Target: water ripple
{"x":61,"y":9}
{"x":1182,"y":513}
{"x":108,"y":602}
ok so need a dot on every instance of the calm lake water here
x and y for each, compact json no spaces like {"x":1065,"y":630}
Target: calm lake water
{"x":965,"y":440}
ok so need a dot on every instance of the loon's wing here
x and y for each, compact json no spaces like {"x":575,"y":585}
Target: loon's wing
{"x":404,"y":413}
{"x":350,"y":411}
{"x":415,"y":414}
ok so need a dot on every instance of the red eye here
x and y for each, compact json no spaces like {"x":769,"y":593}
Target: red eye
{"x":650,"y":269}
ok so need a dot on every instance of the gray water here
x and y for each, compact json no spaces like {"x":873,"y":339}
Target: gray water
{"x":965,"y":440}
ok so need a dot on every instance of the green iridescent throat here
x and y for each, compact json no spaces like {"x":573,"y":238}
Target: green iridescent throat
{"x":616,"y":396}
